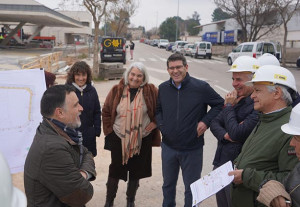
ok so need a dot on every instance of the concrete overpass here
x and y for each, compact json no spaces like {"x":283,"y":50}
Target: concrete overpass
{"x":30,"y":12}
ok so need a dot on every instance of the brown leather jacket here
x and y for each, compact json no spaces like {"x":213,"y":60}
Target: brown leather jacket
{"x":113,"y":98}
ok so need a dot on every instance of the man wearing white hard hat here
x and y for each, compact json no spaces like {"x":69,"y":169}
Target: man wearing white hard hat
{"x":287,"y":193}
{"x":266,"y":153}
{"x":10,"y":196}
{"x":268,"y":59}
{"x":236,"y":121}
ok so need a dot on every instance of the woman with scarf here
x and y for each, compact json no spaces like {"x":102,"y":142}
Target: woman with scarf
{"x":80,"y":76}
{"x":129,"y":125}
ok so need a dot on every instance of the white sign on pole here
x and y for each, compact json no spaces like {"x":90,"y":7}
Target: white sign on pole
{"x":20,"y":95}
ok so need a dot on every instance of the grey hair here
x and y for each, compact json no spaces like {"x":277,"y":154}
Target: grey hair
{"x":250,"y":76}
{"x":286,"y":96}
{"x":139,"y":66}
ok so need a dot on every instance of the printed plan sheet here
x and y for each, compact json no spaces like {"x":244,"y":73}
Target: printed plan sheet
{"x":211,"y":183}
{"x":20,"y":95}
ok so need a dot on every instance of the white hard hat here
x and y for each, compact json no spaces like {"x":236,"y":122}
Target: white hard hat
{"x":293,"y":127}
{"x":244,"y":64}
{"x":10,"y":196}
{"x":276,"y":75}
{"x":268,"y":59}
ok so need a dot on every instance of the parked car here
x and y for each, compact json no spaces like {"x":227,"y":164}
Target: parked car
{"x":162,"y":43}
{"x":202,"y":49}
{"x":169,"y":46}
{"x":298,"y":62}
{"x":187,"y":49}
{"x":113,"y":49}
{"x":154,"y":42}
{"x":178,"y":45}
{"x":254,"y":49}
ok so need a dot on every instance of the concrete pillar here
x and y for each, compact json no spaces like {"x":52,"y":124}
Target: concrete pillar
{"x":38,"y":29}
{"x":12,"y":33}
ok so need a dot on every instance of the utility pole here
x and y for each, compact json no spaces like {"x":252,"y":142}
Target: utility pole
{"x":156,"y":22}
{"x":177,"y":21}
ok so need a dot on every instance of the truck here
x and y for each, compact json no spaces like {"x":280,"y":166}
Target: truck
{"x":213,"y":37}
{"x":113,"y":49}
{"x":230,"y":37}
{"x":223,"y":37}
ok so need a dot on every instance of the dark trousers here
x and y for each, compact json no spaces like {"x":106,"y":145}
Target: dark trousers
{"x":190,"y":163}
{"x":223,"y":196}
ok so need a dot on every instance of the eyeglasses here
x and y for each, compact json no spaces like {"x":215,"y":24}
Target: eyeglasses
{"x":178,"y":67}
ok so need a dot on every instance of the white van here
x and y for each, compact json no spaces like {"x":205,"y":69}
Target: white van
{"x":254,"y":49}
{"x":162,"y":43}
{"x":202,"y":49}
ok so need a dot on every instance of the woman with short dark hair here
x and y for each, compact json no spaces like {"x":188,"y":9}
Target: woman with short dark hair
{"x":80,"y":76}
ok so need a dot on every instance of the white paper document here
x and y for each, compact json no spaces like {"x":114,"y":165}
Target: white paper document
{"x":211,"y":183}
{"x":20,"y":95}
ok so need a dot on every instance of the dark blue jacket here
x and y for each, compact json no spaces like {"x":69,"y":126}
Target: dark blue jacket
{"x":238,"y":121}
{"x":90,"y":117}
{"x":180,"y":110}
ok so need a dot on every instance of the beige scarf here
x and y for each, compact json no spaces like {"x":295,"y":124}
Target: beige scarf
{"x":131,"y":123}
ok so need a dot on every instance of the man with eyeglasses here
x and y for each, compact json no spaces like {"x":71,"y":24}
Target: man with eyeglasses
{"x":182,"y":118}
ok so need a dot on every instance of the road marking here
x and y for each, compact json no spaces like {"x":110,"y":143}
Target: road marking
{"x":158,"y":70}
{"x":152,"y":59}
{"x":142,"y":59}
{"x":223,"y":89}
{"x":204,"y":79}
{"x":198,"y":61}
{"x":210,"y":61}
{"x":163,"y":59}
{"x":155,"y":81}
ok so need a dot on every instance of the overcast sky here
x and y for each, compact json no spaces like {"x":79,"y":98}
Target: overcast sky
{"x":152,"y":13}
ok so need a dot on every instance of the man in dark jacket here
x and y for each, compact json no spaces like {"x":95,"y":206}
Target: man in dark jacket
{"x":182,"y":118}
{"x":236,"y":121}
{"x":58,"y":168}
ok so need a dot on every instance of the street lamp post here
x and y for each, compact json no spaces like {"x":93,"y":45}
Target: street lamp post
{"x":177,"y":20}
{"x":156,"y":22}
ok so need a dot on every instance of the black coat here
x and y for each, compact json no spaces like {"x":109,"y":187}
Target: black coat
{"x":179,"y":111}
{"x":238,"y":121}
{"x":90,"y":117}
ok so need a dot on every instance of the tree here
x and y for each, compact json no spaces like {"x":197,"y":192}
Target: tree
{"x":122,"y":10}
{"x":97,"y":8}
{"x":219,"y":14}
{"x":256,"y":18}
{"x":191,"y":23}
{"x":286,"y":9}
{"x":167,"y":29}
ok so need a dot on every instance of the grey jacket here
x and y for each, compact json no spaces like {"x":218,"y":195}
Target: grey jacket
{"x":52,"y":170}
